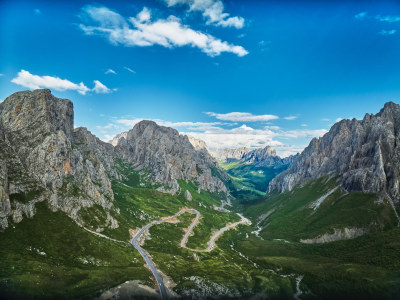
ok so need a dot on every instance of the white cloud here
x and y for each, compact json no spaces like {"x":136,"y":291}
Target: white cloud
{"x":389,"y":19}
{"x":290,"y":118}
{"x":191,"y":125}
{"x":110,"y":71}
{"x":303,"y":125}
{"x":100,"y":88}
{"x":245,"y":136}
{"x":130,"y":70}
{"x":325,"y":119}
{"x":242,"y":117}
{"x":361,"y":15}
{"x":142,"y":32}
{"x":26,"y":79}
{"x":31,"y":81}
{"x":212,"y":11}
{"x":387,"y":32}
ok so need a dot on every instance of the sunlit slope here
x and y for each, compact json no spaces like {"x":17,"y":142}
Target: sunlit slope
{"x":50,"y":256}
{"x":319,"y":207}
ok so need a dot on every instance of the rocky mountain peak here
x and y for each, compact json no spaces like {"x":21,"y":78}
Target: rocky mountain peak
{"x":170,"y":156}
{"x":364,"y":154}
{"x":40,"y":157}
{"x":38,"y":108}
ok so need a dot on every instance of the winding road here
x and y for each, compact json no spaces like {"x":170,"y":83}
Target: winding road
{"x":211,"y":242}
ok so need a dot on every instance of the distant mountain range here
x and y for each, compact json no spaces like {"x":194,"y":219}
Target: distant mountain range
{"x":259,"y":157}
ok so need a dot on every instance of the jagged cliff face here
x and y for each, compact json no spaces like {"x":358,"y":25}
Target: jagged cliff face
{"x":169,"y":156}
{"x":260,"y":157}
{"x":363,"y":153}
{"x":39,"y":160}
{"x":43,"y":158}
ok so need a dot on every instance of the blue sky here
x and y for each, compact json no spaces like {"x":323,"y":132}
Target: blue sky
{"x":234,"y":73}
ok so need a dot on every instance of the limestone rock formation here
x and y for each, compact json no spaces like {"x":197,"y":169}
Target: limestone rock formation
{"x":40,"y":160}
{"x":43,"y":158}
{"x":198,"y":144}
{"x":188,"y":195}
{"x":364,"y":154}
{"x":170,"y":157}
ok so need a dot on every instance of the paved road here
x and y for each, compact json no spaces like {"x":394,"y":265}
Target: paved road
{"x":211,"y":243}
{"x":149,"y":262}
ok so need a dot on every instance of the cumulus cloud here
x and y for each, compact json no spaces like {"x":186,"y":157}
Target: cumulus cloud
{"x":212,"y":11}
{"x":242,"y":117}
{"x":110,"y":71}
{"x":141,"y":31}
{"x":31,"y":81}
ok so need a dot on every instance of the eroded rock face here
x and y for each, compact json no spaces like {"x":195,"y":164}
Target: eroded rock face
{"x":39,"y":158}
{"x":363,"y":153}
{"x":43,"y":158}
{"x":260,"y":157}
{"x":338,"y":235}
{"x":169,"y":156}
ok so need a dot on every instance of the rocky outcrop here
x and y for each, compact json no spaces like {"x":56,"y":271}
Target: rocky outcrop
{"x":198,"y":144}
{"x":259,"y":157}
{"x":364,"y":154}
{"x":337,"y":235}
{"x":42,"y":161}
{"x":170,"y":157}
{"x":188,"y":195}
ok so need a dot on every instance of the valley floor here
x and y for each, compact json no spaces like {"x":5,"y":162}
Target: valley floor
{"x":50,"y":256}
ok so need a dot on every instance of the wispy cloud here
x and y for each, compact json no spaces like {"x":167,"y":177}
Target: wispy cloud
{"x":387,"y":32}
{"x":130,"y":70}
{"x":290,"y":118}
{"x":141,"y":31}
{"x":26,"y":79}
{"x":325,"y":119}
{"x":1,"y":74}
{"x":361,"y":15}
{"x":242,"y":117}
{"x":110,"y":71}
{"x":389,"y":19}
{"x":212,"y":11}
